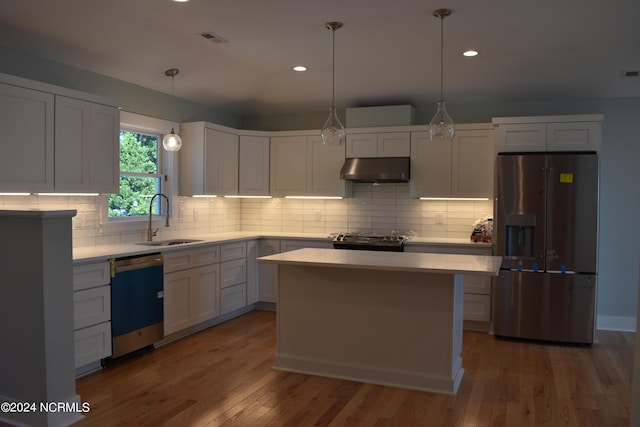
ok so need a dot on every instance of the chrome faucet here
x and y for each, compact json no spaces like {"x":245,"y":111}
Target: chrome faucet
{"x":150,"y":232}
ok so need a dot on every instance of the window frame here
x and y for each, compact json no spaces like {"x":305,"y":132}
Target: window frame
{"x":136,"y":123}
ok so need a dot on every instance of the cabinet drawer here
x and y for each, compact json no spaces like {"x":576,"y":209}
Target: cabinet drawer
{"x":91,"y":275}
{"x":233,"y":298}
{"x":92,"y":344}
{"x":178,"y":260}
{"x":477,"y":307}
{"x":233,"y":272}
{"x":474,"y":284}
{"x":234,"y":251}
{"x":207,"y":255}
{"x":91,"y":306}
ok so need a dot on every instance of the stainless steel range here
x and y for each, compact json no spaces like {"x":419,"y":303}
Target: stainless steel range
{"x":370,"y":242}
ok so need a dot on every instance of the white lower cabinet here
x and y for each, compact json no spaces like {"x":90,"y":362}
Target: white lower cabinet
{"x":191,"y":290}
{"x":191,"y":297}
{"x":233,"y":293}
{"x":91,"y":312}
{"x":253,"y":288}
{"x":92,"y":344}
{"x":267,"y":273}
{"x":477,"y":289}
{"x":233,"y":298}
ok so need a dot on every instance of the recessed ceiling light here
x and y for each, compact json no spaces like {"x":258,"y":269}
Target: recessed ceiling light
{"x":470,"y":53}
{"x":180,"y":1}
{"x":299,"y":68}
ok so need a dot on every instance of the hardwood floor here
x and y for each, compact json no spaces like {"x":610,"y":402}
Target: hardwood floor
{"x":223,"y":377}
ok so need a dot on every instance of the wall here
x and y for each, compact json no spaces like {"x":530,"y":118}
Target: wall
{"x":373,"y":208}
{"x":619,"y":158}
{"x":385,"y":207}
{"x":90,"y":227}
{"x":130,"y":97}
{"x":619,"y":185}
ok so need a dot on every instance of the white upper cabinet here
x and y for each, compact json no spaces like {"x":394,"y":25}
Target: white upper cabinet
{"x":86,"y":146}
{"x":385,"y":144}
{"x":254,"y":166}
{"x":461,"y":168}
{"x":220,"y":163}
{"x":303,"y":166}
{"x":57,"y":139}
{"x":472,"y":160}
{"x":288,"y":165}
{"x":208,"y":161}
{"x":548,"y":133}
{"x":27,"y":123}
{"x":323,"y":168}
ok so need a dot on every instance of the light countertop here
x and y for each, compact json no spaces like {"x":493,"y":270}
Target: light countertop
{"x":399,"y":261}
{"x":85,"y":254}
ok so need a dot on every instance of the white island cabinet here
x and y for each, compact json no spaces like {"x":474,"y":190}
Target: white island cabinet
{"x":391,"y":318}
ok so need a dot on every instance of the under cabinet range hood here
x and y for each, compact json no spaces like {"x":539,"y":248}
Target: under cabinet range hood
{"x":376,"y":169}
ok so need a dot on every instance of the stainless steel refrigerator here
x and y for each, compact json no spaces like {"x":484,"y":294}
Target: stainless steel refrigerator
{"x":546,"y":230}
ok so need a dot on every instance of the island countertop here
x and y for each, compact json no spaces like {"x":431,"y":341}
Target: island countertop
{"x":381,"y":260}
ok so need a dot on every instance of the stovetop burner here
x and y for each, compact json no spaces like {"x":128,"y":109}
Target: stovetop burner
{"x":369,"y":241}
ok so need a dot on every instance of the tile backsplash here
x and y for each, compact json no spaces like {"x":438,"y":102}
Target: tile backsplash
{"x":384,"y":208}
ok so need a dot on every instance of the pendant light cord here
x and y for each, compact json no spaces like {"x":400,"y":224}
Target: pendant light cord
{"x":441,"y":57}
{"x":333,"y":70}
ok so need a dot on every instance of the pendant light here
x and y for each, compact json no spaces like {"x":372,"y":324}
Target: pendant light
{"x":333,"y":132}
{"x":441,"y":127}
{"x":172,"y":141}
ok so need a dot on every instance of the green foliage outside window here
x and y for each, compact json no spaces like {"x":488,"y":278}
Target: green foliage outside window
{"x":139,"y":175}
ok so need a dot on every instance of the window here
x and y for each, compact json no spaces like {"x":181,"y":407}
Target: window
{"x":140,"y":175}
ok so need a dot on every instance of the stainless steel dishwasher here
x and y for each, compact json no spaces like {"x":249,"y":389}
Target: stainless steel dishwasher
{"x":137,"y":294}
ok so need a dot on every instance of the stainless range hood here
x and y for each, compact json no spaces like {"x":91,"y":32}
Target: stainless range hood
{"x":378,"y":169}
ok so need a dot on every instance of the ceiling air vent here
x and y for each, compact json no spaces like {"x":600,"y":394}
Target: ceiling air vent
{"x":208,"y":35}
{"x":630,"y":73}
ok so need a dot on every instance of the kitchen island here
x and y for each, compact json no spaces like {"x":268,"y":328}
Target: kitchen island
{"x":392,"y":318}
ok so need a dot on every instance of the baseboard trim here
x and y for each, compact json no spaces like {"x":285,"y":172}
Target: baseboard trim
{"x":616,"y":323}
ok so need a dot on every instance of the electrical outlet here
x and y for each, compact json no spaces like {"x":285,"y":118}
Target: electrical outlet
{"x":195,"y":214}
{"x":439,"y":217}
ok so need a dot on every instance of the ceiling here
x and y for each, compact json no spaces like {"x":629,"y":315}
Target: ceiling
{"x":387,"y":52}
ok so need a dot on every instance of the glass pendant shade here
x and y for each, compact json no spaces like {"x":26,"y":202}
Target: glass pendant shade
{"x":441,"y":127}
{"x":172,"y":141}
{"x":333,"y":132}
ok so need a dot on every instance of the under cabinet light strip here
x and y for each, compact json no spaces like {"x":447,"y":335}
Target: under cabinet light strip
{"x":314,"y":197}
{"x":67,"y":194}
{"x":454,"y":198}
{"x":248,"y":197}
{"x":211,"y":196}
{"x":15,"y":194}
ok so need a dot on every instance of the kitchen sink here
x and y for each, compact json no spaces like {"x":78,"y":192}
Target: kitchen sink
{"x":170,"y":242}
